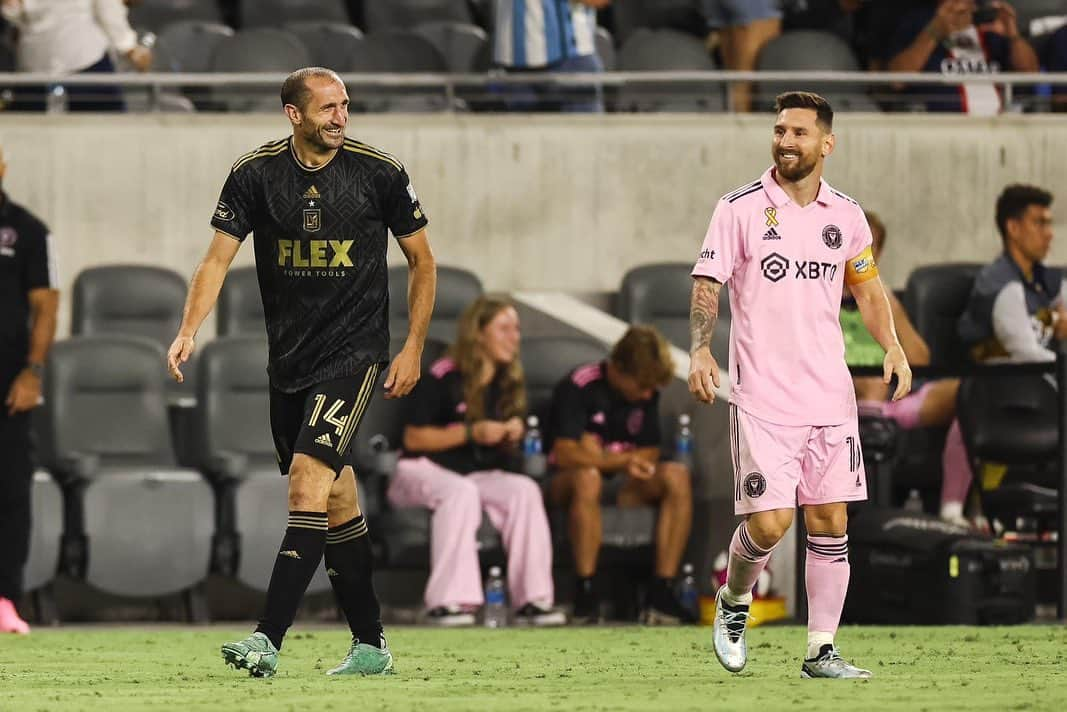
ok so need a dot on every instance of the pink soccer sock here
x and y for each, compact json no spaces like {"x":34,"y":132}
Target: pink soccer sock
{"x":905,"y":412}
{"x":826,"y":576}
{"x":957,"y":474}
{"x":747,"y":560}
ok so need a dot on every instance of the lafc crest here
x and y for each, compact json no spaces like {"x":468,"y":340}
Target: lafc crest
{"x":312,"y":219}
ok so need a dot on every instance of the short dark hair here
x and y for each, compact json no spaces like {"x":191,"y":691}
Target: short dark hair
{"x":295,"y":89}
{"x":824,"y":113}
{"x":643,"y":354}
{"x":1013,"y":202}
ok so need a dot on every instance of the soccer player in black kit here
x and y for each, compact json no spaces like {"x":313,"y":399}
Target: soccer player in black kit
{"x":319,"y":205}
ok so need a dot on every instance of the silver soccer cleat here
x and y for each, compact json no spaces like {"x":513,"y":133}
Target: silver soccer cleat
{"x":830,"y":664}
{"x":729,"y":634}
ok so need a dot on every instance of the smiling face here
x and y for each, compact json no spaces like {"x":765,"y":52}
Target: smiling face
{"x":322,"y":120}
{"x":800,"y":144}
{"x":499,"y":338}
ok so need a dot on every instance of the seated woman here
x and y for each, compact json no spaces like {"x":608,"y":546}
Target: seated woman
{"x":467,"y":419}
{"x":934,"y":404}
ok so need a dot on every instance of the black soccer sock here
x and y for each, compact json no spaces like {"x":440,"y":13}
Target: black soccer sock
{"x":298,"y":557}
{"x":350,"y":565}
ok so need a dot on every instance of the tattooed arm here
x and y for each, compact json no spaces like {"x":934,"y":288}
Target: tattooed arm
{"x":703,"y":314}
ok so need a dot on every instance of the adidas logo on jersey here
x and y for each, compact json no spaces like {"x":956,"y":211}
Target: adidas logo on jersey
{"x":324,"y":439}
{"x":312,"y":193}
{"x":772,"y":234}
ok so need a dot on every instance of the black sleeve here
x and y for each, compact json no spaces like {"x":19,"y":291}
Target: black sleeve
{"x":233,"y":214}
{"x":400,"y":206}
{"x":430,"y":402}
{"x":651,"y":434}
{"x":38,"y":268}
{"x":569,"y":416}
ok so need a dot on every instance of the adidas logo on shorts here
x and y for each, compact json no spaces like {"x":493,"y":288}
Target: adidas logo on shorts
{"x":324,"y":439}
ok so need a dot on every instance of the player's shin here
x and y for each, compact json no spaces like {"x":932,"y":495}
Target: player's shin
{"x":826,"y":576}
{"x":350,"y":566}
{"x":298,"y":557}
{"x":747,"y":561}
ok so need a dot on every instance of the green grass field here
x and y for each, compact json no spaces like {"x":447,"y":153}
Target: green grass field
{"x":625,"y":668}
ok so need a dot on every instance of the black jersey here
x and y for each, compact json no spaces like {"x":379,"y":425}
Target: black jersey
{"x":320,"y":239}
{"x":584,"y":402}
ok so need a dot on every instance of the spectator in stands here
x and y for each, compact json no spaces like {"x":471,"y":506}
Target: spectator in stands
{"x":946,"y":39}
{"x":459,"y":447}
{"x":742,"y":27}
{"x":548,"y":36}
{"x":74,"y":37}
{"x":1016,"y":308}
{"x":28,"y":301}
{"x":931,"y":405}
{"x":606,"y":431}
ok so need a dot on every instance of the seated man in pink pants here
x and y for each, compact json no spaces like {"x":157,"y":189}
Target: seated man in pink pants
{"x":466,"y":422}
{"x":605,"y":425}
{"x":932,"y":405}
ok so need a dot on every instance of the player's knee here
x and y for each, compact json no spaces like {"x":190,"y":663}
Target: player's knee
{"x":767,"y":531}
{"x":309,"y":485}
{"x":827,"y":523}
{"x":588,"y":483}
{"x":676,"y":479}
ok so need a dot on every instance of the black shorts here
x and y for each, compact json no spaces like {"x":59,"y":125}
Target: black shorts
{"x":322,"y":420}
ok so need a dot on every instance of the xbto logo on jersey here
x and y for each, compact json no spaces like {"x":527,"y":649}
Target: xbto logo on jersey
{"x":776,"y":267}
{"x":315,"y":253}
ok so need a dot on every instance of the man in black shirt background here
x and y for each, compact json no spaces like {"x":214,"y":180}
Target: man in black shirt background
{"x":605,"y":424}
{"x":320,"y":206}
{"x":28,"y":296}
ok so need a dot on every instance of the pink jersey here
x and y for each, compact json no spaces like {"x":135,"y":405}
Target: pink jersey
{"x":785,"y":266}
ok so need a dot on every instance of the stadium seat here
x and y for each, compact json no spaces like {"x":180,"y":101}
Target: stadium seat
{"x":1009,"y":419}
{"x":330,"y":44}
{"x":936,"y":297}
{"x":659,"y":295}
{"x":665,"y":50}
{"x":156,"y":15}
{"x":135,"y":524}
{"x":240,"y":310}
{"x":238,"y":455}
{"x":275,"y":13}
{"x":45,"y":537}
{"x":188,"y":46}
{"x":456,"y":288}
{"x":464,"y":47}
{"x":381,"y":15}
{"x":261,"y":49}
{"x":130,"y":300}
{"x":605,"y":49}
{"x":633,"y":15}
{"x":402,"y":52}
{"x":817,"y":51}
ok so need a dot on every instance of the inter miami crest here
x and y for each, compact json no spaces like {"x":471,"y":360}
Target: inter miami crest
{"x":755,"y":485}
{"x":831,"y":235}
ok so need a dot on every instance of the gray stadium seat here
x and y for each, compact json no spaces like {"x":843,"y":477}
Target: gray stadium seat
{"x":240,"y":311}
{"x":261,"y":49}
{"x":237,"y":452}
{"x":665,"y":50}
{"x":275,"y":13}
{"x":456,"y":289}
{"x":131,"y":300}
{"x":605,"y":49}
{"x":659,"y":295}
{"x":632,"y":15}
{"x":402,"y":52}
{"x":812,"y":50}
{"x":45,"y":536}
{"x":188,"y":46}
{"x":463,"y":46}
{"x":135,"y":523}
{"x":329,"y":43}
{"x":155,"y":15}
{"x":392,"y":14}
{"x":936,"y":297}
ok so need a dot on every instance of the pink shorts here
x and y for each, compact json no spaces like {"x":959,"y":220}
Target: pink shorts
{"x":779,"y":466}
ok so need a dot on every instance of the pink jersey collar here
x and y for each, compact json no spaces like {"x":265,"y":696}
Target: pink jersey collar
{"x":778,"y":197}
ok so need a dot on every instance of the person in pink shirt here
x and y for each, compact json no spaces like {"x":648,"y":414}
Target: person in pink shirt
{"x":787,"y":243}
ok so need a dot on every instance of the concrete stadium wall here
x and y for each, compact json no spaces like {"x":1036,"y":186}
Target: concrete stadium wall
{"x":544,"y":202}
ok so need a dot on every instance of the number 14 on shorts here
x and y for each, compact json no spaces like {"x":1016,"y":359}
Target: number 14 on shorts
{"x":331,"y":416}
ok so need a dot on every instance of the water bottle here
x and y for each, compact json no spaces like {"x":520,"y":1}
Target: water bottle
{"x":683,"y":442}
{"x":496,"y":600}
{"x":914,"y":503}
{"x":534,"y":461}
{"x":56,"y":100}
{"x":383,"y":460}
{"x":687,"y":591}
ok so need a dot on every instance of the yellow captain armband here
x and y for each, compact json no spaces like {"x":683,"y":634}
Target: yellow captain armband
{"x":861,"y":268}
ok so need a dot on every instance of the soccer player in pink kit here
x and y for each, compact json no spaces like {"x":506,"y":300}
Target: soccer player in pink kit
{"x":787,"y":243}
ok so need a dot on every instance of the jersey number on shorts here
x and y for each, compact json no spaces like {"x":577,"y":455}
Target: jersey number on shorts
{"x":331,"y":414}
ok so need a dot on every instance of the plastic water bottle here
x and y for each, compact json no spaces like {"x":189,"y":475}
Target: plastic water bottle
{"x":496,"y":600}
{"x":687,"y":590}
{"x":534,"y":461}
{"x":683,"y":442}
{"x":914,"y":503}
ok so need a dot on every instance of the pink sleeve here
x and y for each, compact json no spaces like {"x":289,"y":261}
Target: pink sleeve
{"x":722,"y":247}
{"x":861,"y":236}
